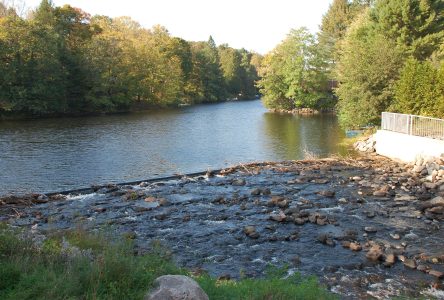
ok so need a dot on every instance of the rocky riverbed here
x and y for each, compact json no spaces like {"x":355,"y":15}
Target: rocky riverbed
{"x":367,"y":227}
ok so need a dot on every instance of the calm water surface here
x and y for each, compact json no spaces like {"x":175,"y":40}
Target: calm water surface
{"x":68,"y":153}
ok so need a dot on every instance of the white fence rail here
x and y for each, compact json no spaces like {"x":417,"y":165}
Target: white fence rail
{"x":413,"y":125}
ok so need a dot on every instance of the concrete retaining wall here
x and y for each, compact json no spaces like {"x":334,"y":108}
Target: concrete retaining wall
{"x":406,"y":147}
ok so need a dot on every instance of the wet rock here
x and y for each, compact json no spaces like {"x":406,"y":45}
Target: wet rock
{"x":251,"y":232}
{"x":176,"y":287}
{"x":278,"y":217}
{"x":355,"y":246}
{"x":296,"y":260}
{"x":145,"y":206}
{"x":326,"y":239}
{"x":238,"y":182}
{"x":161,"y":217}
{"x":292,"y":237}
{"x":411,"y":237}
{"x":283,"y":204}
{"x":370,"y":229}
{"x":327,"y":193}
{"x":436,"y":274}
{"x":99,"y":209}
{"x":380,"y":193}
{"x":266,"y":191}
{"x":395,"y":236}
{"x":255,"y":192}
{"x":164,"y":202}
{"x":342,"y":201}
{"x":375,"y":253}
{"x":389,"y":260}
{"x":300,"y":221}
{"x":321,"y":221}
{"x":402,"y":197}
{"x":219,"y":200}
{"x":423,"y":268}
{"x":370,"y":214}
{"x":409,"y":263}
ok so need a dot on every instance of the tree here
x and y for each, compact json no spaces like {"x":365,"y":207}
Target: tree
{"x":367,"y":71}
{"x":293,"y":74}
{"x":420,"y":89}
{"x":415,"y":25}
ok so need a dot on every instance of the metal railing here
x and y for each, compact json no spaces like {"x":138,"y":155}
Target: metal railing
{"x":413,"y":125}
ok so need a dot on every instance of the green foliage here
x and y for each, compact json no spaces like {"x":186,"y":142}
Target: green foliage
{"x":420,"y":89}
{"x":415,"y":25}
{"x":367,"y":71}
{"x":108,"y":269}
{"x":276,"y":285}
{"x":373,"y":52}
{"x":294,"y":74}
{"x":59,"y":60}
{"x":238,"y":72}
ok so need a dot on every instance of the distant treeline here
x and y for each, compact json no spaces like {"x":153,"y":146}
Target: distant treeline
{"x":60,"y":60}
{"x":369,"y":57}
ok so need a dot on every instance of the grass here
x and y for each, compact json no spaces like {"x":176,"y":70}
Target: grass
{"x":80,"y":265}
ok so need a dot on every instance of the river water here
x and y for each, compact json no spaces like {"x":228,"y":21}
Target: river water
{"x":67,"y":153}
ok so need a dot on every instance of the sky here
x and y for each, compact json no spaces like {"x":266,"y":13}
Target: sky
{"x":256,"y":25}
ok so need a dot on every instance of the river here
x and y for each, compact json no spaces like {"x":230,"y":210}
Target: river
{"x":49,"y":155}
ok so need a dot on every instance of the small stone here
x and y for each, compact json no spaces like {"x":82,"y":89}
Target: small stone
{"x":422,"y":268}
{"x":370,"y":229}
{"x":300,"y":221}
{"x":343,"y":201}
{"x":410,"y":263}
{"x":164,"y":202}
{"x":99,"y":209}
{"x":255,"y":192}
{"x":375,"y":253}
{"x":278,"y":217}
{"x":379,"y":193}
{"x":371,"y":214}
{"x":161,"y":217}
{"x":411,"y":237}
{"x":266,"y":191}
{"x":321,"y":221}
{"x":296,"y":260}
{"x":238,"y":182}
{"x":436,"y":273}
{"x":355,"y":247}
{"x":389,"y":260}
{"x":150,"y":199}
{"x":327,"y":193}
{"x":251,"y":232}
{"x":283,"y":203}
{"x":395,"y":236}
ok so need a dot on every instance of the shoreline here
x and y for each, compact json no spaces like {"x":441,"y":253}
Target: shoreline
{"x":136,"y":108}
{"x":381,"y":218}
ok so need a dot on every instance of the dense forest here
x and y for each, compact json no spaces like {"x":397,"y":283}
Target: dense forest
{"x":368,"y":57}
{"x":61,"y":60}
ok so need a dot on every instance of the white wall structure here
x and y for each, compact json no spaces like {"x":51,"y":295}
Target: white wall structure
{"x":406,"y":147}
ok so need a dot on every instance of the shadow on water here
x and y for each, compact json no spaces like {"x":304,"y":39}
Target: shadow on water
{"x":67,"y":153}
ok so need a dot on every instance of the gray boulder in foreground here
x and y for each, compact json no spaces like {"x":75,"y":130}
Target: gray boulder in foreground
{"x":176,"y":287}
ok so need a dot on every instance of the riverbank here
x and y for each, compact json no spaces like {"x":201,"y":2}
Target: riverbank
{"x":136,"y":107}
{"x":367,"y":227}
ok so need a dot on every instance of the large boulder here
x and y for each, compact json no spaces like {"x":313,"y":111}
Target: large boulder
{"x":176,"y":287}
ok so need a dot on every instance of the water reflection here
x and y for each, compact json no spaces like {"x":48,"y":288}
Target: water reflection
{"x":293,"y":136}
{"x":59,"y":154}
